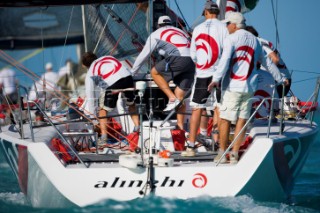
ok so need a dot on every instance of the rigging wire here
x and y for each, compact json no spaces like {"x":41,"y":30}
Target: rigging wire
{"x":84,"y":28}
{"x":104,"y":27}
{"x":42,"y":46}
{"x":305,"y":71}
{"x":307,"y":79}
{"x":185,"y":21}
{"x":63,"y":50}
{"x":151,"y":113}
{"x":123,"y":32}
{"x":275,"y":18}
{"x":24,"y":58}
{"x":66,"y":37}
{"x":178,"y":19}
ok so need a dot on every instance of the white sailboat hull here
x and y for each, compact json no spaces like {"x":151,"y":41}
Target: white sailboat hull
{"x":266,"y":171}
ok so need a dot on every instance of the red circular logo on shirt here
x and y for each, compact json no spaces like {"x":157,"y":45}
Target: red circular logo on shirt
{"x":107,"y":66}
{"x":175,"y":37}
{"x":199,"y":181}
{"x":207,"y":51}
{"x":246,"y":54}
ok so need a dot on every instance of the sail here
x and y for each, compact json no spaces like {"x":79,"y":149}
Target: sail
{"x":242,"y":6}
{"x":42,"y":3}
{"x":40,"y":27}
{"x":40,"y":24}
{"x":117,"y":30}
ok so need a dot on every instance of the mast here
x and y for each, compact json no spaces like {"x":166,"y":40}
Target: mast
{"x":84,"y":29}
{"x":149,"y":67}
{"x":150,"y":177}
{"x":222,"y":4}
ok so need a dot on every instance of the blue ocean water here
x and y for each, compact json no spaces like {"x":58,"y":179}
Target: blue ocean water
{"x":305,"y":197}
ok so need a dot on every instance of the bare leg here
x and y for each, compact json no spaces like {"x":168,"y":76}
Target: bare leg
{"x":162,"y":84}
{"x":240,"y":124}
{"x":194,"y":124}
{"x":215,"y":124}
{"x":134,"y":117}
{"x":103,"y":121}
{"x":204,"y":120}
{"x":179,"y":93}
{"x":224,"y":130}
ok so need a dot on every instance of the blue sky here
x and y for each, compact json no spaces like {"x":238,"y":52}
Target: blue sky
{"x":298,"y":27}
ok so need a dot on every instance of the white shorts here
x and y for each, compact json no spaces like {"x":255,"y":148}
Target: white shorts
{"x":235,"y":105}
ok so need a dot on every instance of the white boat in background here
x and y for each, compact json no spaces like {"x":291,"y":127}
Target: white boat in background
{"x":57,"y":164}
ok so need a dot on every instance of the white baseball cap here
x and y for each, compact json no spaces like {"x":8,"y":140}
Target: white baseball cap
{"x":235,"y":18}
{"x":49,"y":66}
{"x":164,"y":20}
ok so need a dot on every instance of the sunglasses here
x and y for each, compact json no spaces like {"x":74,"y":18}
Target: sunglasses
{"x":227,"y":23}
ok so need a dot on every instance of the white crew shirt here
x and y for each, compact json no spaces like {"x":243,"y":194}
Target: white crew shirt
{"x":168,"y":41}
{"x":241,"y":52}
{"x":206,"y":46}
{"x":268,"y":47}
{"x":51,"y":78}
{"x":48,"y":82}
{"x":103,"y":72}
{"x":8,"y":81}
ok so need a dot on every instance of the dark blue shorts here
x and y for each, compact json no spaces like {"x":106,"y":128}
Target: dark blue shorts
{"x":179,"y":69}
